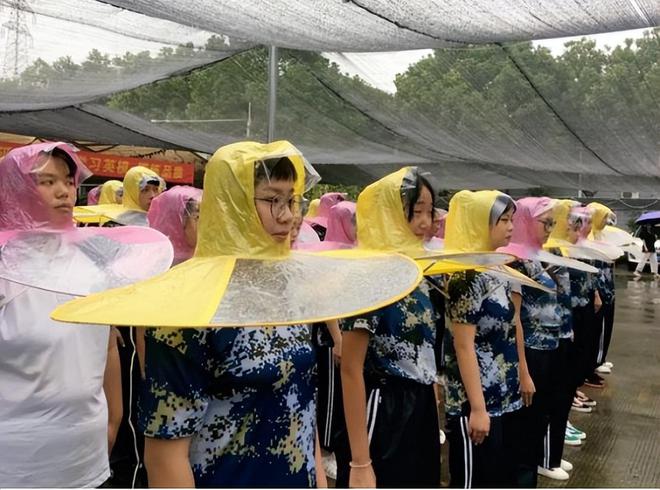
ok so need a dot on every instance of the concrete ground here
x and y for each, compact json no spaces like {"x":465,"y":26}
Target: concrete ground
{"x":622,"y":448}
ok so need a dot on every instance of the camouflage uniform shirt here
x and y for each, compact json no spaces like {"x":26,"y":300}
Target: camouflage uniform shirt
{"x":482,"y":300}
{"x":402,"y":338}
{"x":244,"y":395}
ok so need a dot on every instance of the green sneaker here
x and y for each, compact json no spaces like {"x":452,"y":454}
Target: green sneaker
{"x":572,"y":440}
{"x":570,"y":430}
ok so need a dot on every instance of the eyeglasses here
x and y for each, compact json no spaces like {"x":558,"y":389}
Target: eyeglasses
{"x":279,"y":204}
{"x":548,"y":224}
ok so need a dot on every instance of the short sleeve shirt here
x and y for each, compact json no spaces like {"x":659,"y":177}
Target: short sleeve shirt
{"x":402,"y":338}
{"x":482,"y":300}
{"x":53,"y":411}
{"x":605,"y":281}
{"x":563,"y":280}
{"x":582,"y":287}
{"x":246,"y":396}
{"x":540,"y":314}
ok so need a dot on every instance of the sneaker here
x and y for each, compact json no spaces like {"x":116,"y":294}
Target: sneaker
{"x":572,"y":440}
{"x":603,"y":369}
{"x":608,"y":364}
{"x":578,"y":406}
{"x":637,"y":274}
{"x":554,"y":473}
{"x":585,"y":400}
{"x":576,"y":432}
{"x":565,"y":465}
{"x":330,"y":466}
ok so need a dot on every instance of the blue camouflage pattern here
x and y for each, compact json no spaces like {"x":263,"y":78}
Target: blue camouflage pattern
{"x":482,"y":300}
{"x":402,"y":338}
{"x":246,"y":397}
{"x":605,"y":281}
{"x":540,"y":314}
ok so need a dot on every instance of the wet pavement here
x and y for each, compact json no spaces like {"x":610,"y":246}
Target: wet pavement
{"x":622,"y":448}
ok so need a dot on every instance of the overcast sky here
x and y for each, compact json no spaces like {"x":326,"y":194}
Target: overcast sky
{"x":380,"y":69}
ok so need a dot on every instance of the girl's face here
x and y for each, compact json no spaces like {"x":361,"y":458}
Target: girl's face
{"x":275,"y":205}
{"x":147,"y":195}
{"x":573,"y":228}
{"x":57,"y":189}
{"x":500,"y":233}
{"x":422,"y":217}
{"x":543,"y":226}
{"x":573,"y":233}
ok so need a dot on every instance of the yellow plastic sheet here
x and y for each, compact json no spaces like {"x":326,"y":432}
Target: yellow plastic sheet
{"x":240,"y":275}
{"x":468,"y":230}
{"x":382,"y":226}
{"x":468,"y":221}
{"x":111,"y":192}
{"x":132,"y":181}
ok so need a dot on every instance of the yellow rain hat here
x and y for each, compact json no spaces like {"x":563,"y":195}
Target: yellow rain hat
{"x":382,"y":225}
{"x":129,"y":212}
{"x":112,"y":192}
{"x":241,"y":276}
{"x":468,"y":230}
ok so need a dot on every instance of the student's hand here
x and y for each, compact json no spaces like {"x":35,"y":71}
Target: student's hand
{"x":114,"y":332}
{"x":598,"y":303}
{"x":362,"y":478}
{"x":527,"y":389}
{"x":336,"y":352}
{"x":479,"y":425}
{"x":321,"y":478}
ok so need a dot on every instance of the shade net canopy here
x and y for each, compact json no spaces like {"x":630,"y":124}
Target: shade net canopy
{"x":66,"y":52}
{"x":480,"y":107}
{"x":384,"y":25}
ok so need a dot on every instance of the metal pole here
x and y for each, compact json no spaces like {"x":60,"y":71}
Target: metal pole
{"x":273,"y":73}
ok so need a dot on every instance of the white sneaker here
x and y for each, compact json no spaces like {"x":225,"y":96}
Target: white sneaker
{"x":608,"y":364}
{"x":637,"y":274}
{"x":330,"y":466}
{"x":554,"y":473}
{"x":565,"y":465}
{"x":603,"y":369}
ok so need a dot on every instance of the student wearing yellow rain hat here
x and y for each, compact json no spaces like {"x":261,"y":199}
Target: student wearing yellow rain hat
{"x":603,"y":218}
{"x":140,"y":186}
{"x":484,"y":353}
{"x":572,"y":342}
{"x":235,"y":406}
{"x":111,"y":192}
{"x":241,"y":412}
{"x":388,"y":360}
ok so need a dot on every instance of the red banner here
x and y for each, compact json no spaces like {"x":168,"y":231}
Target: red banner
{"x":109,"y":165}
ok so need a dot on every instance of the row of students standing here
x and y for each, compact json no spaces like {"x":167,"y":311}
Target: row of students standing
{"x":516,"y":354}
{"x":237,"y":406}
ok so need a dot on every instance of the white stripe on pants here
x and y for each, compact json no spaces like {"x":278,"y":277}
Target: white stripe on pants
{"x":467,"y":451}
